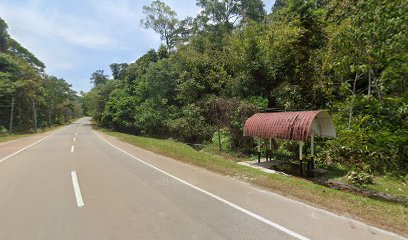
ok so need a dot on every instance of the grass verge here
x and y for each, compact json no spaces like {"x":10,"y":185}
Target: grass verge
{"x":391,"y":216}
{"x":388,"y":184}
{"x":12,"y":137}
{"x":16,"y":136}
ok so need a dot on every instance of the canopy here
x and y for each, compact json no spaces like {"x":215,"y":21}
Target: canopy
{"x":290,"y":125}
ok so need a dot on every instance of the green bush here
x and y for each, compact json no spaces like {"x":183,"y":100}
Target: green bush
{"x":3,"y":130}
{"x":225,"y":138}
{"x":377,"y":139}
{"x":189,"y":125}
{"x":360,"y":178}
{"x":288,"y":150}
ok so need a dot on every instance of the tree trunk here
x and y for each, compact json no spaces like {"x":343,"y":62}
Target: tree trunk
{"x":377,"y":85}
{"x":166,"y":37}
{"x":20,"y":119}
{"x":34,"y":115}
{"x":352,"y":101}
{"x":369,"y":82}
{"x":49,"y":115}
{"x":218,"y":127}
{"x":11,"y":115}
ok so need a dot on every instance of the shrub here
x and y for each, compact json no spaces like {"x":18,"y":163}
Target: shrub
{"x":360,"y":178}
{"x":3,"y":130}
{"x":225,"y":138}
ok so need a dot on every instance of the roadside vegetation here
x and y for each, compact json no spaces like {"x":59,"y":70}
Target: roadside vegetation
{"x":388,"y":215}
{"x":234,"y":59}
{"x":12,"y":137}
{"x":30,"y":100}
{"x":15,"y":136}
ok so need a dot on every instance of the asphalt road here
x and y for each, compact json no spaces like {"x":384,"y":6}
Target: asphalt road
{"x":75,"y":183}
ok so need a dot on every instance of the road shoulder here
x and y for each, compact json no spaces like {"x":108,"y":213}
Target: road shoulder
{"x":271,"y":205}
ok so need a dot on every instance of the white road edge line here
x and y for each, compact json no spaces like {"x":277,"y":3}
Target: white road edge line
{"x":19,"y":151}
{"x":72,"y":148}
{"x":77,"y":190}
{"x":254,"y":215}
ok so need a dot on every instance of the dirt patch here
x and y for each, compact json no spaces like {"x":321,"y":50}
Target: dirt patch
{"x":335,"y":184}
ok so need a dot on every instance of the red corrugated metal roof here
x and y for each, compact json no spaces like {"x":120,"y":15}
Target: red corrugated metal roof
{"x":287,"y":125}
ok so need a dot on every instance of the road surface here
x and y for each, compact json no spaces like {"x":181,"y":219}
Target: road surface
{"x":75,"y":183}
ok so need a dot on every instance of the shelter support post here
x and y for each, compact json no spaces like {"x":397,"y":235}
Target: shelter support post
{"x":269,"y":152}
{"x":311,"y":162}
{"x":301,"y":156}
{"x":312,"y":151}
{"x":259,"y":150}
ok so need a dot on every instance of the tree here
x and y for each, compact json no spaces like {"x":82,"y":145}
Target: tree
{"x":232,"y":60}
{"x":162,"y":19}
{"x":16,"y":49}
{"x":98,"y":78}
{"x":253,"y":10}
{"x":162,"y":52}
{"x":119,"y":111}
{"x":225,"y":12}
{"x":58,"y":98}
{"x":29,"y":98}
{"x":3,"y":35}
{"x":118,"y":70}
{"x":229,"y":12}
{"x":95,"y":100}
{"x":185,"y":30}
{"x":139,"y":68}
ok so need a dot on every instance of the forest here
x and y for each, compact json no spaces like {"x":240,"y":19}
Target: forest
{"x":29,"y":98}
{"x":216,"y":69}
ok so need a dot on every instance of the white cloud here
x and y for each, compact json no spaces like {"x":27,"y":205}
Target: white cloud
{"x":64,"y":66}
{"x":52,"y":24}
{"x":76,"y":37}
{"x":120,"y":11}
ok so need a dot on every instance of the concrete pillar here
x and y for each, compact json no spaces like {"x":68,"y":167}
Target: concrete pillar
{"x":259,"y":150}
{"x":312,"y":156}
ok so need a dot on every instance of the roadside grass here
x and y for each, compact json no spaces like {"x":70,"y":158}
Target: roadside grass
{"x":7,"y":138}
{"x":16,"y":136}
{"x":391,"y":185}
{"x":397,"y":186}
{"x":383,"y":184}
{"x":214,"y":150}
{"x":391,"y":216}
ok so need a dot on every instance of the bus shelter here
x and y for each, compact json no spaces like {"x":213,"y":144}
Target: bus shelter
{"x":302,"y":126}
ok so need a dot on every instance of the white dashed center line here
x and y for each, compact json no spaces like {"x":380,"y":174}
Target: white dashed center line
{"x":72,"y":148}
{"x":77,"y":190}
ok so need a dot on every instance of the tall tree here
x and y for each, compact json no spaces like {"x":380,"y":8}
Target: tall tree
{"x":163,"y":20}
{"x":230,"y":12}
{"x":118,"y":70}
{"x":225,"y":12}
{"x":16,"y":49}
{"x":3,"y":35}
{"x":253,"y":10}
{"x":98,"y":78}
{"x":29,"y":98}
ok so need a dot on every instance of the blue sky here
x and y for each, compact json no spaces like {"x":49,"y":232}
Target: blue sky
{"x":76,"y":37}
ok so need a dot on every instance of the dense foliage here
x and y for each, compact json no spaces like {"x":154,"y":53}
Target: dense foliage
{"x":29,"y":98}
{"x":232,"y":60}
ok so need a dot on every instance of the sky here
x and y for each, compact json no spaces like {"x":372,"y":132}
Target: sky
{"x":77,"y":37}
